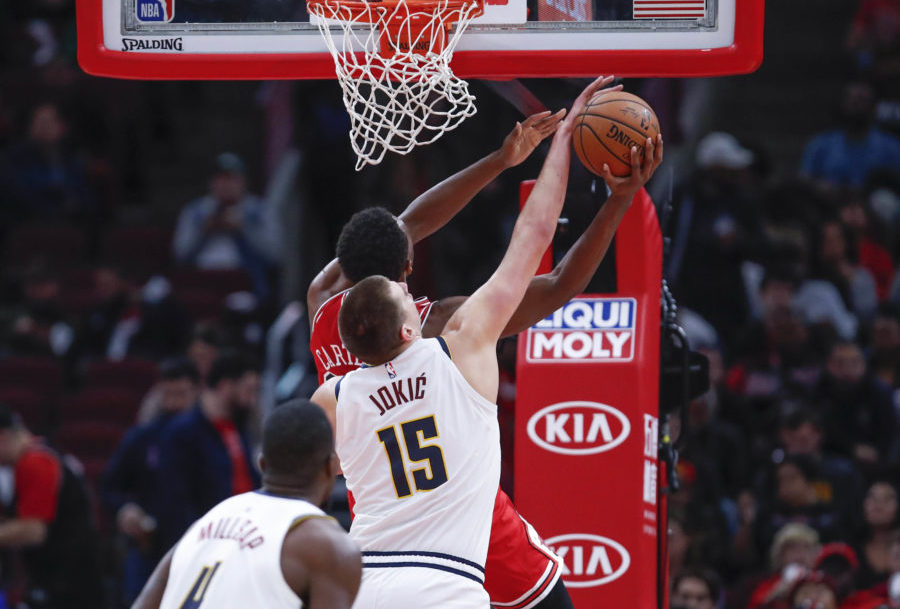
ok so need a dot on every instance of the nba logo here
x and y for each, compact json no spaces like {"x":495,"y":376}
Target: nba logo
{"x":154,"y":11}
{"x":390,"y":370}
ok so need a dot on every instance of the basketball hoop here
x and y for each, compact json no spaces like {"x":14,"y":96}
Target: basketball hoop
{"x":393,"y":65}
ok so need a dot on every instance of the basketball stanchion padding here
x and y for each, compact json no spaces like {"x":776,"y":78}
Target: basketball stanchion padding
{"x":609,"y":126}
{"x":393,"y":65}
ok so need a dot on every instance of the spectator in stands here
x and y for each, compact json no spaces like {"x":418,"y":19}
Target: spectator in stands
{"x":718,"y":229}
{"x":114,"y":303}
{"x":695,"y":588}
{"x":859,"y":416}
{"x":40,"y":327}
{"x":876,"y":27}
{"x":885,"y":595}
{"x":51,"y":521}
{"x":792,"y":555}
{"x":875,"y":38}
{"x":856,"y":214}
{"x":847,"y":155}
{"x":679,"y":545}
{"x":42,"y":177}
{"x":164,"y":325}
{"x":203,"y":348}
{"x":229,"y":228}
{"x":881,"y":521}
{"x":813,"y":591}
{"x":719,"y":444}
{"x":884,"y":359}
{"x":206,"y":451}
{"x":802,"y":434}
{"x":773,"y":355}
{"x":796,"y":500}
{"x":838,"y":562}
{"x":131,"y":485}
{"x":835,"y":261}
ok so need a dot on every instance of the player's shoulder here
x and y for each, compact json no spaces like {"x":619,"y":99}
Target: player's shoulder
{"x":331,"y":306}
{"x":320,"y":542}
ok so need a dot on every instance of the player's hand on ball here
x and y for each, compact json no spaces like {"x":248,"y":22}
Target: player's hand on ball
{"x":601,"y":84}
{"x":526,"y":136}
{"x":642,"y":168}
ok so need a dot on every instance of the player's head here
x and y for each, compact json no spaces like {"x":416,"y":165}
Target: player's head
{"x":378,"y":317}
{"x":374,"y":243}
{"x":298,"y":451}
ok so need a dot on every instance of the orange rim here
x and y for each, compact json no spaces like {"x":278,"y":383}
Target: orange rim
{"x":361,"y":9}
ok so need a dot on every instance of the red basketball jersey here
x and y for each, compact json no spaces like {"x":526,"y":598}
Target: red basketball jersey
{"x":332,"y":357}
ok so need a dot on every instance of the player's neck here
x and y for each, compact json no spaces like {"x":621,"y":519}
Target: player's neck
{"x":291,"y":491}
{"x":395,"y":353}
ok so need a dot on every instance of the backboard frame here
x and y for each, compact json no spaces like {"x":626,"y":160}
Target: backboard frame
{"x":743,"y":55}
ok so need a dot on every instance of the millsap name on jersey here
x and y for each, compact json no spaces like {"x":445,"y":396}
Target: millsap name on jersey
{"x":585,"y":330}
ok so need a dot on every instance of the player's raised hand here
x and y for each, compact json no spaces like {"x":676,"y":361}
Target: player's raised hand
{"x":642,"y":168}
{"x":600,"y":84}
{"x":525,"y":136}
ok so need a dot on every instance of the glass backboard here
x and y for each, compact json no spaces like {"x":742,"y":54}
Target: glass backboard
{"x":265,"y":39}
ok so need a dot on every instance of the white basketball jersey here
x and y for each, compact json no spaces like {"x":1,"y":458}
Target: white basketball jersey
{"x":231,"y":557}
{"x":420,"y":449}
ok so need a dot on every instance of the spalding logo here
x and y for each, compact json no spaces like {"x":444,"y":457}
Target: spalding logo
{"x":589,"y":560}
{"x":578,"y":428}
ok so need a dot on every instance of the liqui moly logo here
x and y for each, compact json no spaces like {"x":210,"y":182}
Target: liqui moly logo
{"x":154,"y":11}
{"x":589,"y":560}
{"x":585,"y":330}
{"x":578,"y":428}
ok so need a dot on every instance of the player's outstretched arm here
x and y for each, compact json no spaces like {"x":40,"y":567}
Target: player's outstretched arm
{"x":321,"y":564}
{"x":435,"y":207}
{"x":325,"y":398}
{"x":546,"y":293}
{"x":570,"y":277}
{"x":475,"y":327}
{"x":152,"y":594}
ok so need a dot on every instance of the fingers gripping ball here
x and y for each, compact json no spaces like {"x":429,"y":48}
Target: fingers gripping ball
{"x":607,"y":129}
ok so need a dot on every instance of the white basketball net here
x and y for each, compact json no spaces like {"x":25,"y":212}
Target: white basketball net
{"x":406,"y":99}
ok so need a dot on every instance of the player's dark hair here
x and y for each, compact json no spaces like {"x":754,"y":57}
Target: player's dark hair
{"x":369,"y":321}
{"x":707,"y":576}
{"x":372,"y":243}
{"x":297,"y":440}
{"x":228,"y":365}
{"x":180,"y":367}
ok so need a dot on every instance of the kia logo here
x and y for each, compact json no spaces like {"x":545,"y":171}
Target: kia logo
{"x":578,"y":428}
{"x":589,"y":560}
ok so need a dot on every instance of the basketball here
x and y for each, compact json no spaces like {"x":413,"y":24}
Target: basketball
{"x":607,"y":129}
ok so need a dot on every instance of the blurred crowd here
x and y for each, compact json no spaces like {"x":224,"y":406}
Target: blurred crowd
{"x":789,"y":464}
{"x":146,"y":322}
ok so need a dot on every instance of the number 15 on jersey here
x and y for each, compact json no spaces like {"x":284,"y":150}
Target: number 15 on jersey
{"x":414,"y":433}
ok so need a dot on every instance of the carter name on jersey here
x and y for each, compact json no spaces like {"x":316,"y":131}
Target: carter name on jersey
{"x":402,"y":391}
{"x":339,"y":356}
{"x":242,"y":530}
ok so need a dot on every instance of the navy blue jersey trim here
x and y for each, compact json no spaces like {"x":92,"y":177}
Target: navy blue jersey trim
{"x":337,"y":388}
{"x":474,"y":565}
{"x":427,"y":565}
{"x":443,"y":344}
